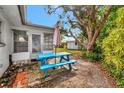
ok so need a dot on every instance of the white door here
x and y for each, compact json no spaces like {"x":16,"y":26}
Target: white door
{"x":36,"y":43}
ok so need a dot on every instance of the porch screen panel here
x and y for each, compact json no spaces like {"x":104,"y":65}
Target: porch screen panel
{"x":20,"y":41}
{"x":48,"y":41}
{"x":0,"y":31}
{"x":36,"y":43}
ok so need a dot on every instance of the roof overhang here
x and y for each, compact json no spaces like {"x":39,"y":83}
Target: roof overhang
{"x":11,"y":14}
{"x":22,"y":11}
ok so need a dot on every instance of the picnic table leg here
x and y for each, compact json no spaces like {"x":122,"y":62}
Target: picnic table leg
{"x":61,"y":59}
{"x":70,"y":66}
{"x":46,"y":71}
{"x":68,"y":58}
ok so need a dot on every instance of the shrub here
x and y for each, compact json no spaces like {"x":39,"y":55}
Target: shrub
{"x":93,"y":56}
{"x":113,"y":48}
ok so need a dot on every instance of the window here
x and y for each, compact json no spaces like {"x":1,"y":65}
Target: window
{"x":76,"y":43}
{"x":1,"y":43}
{"x":20,"y":41}
{"x":48,"y":41}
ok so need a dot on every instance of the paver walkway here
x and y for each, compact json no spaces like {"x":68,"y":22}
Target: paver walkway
{"x":87,"y":75}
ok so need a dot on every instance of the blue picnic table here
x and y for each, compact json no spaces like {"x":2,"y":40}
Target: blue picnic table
{"x":64,"y":60}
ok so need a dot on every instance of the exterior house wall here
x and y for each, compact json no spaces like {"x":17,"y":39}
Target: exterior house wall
{"x":30,"y":30}
{"x":72,"y":45}
{"x":11,"y":20}
{"x":6,"y":38}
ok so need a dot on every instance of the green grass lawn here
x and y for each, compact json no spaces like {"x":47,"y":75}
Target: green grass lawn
{"x":78,"y":52}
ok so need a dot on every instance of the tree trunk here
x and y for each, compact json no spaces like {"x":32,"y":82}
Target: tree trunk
{"x":89,"y":48}
{"x":91,"y":34}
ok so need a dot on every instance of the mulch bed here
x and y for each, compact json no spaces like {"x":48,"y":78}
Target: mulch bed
{"x":9,"y":76}
{"x":15,"y":75}
{"x":27,"y":75}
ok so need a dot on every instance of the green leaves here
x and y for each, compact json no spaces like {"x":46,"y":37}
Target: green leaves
{"x":120,"y":18}
{"x":113,"y":46}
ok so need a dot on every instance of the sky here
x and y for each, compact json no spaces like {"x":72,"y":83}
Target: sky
{"x":36,"y":14}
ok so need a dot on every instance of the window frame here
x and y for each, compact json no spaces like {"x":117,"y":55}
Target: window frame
{"x":48,"y":43}
{"x":1,"y":43}
{"x":18,"y":45}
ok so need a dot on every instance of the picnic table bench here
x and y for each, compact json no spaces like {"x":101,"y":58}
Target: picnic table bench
{"x":64,"y":60}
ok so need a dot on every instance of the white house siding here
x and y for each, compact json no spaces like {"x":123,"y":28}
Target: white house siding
{"x":31,"y":30}
{"x":72,"y":45}
{"x":11,"y":20}
{"x":6,"y":38}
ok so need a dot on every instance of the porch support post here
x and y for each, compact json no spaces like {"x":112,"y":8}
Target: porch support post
{"x":42,"y":42}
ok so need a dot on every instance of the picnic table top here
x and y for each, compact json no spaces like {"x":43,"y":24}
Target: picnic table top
{"x":52,"y":55}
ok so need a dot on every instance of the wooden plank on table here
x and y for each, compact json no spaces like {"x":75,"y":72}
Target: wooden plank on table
{"x":52,"y":55}
{"x":45,"y":67}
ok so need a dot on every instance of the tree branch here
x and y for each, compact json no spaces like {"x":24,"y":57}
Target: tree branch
{"x":106,"y":14}
{"x":82,"y":22}
{"x":79,"y":41}
{"x":102,"y":22}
